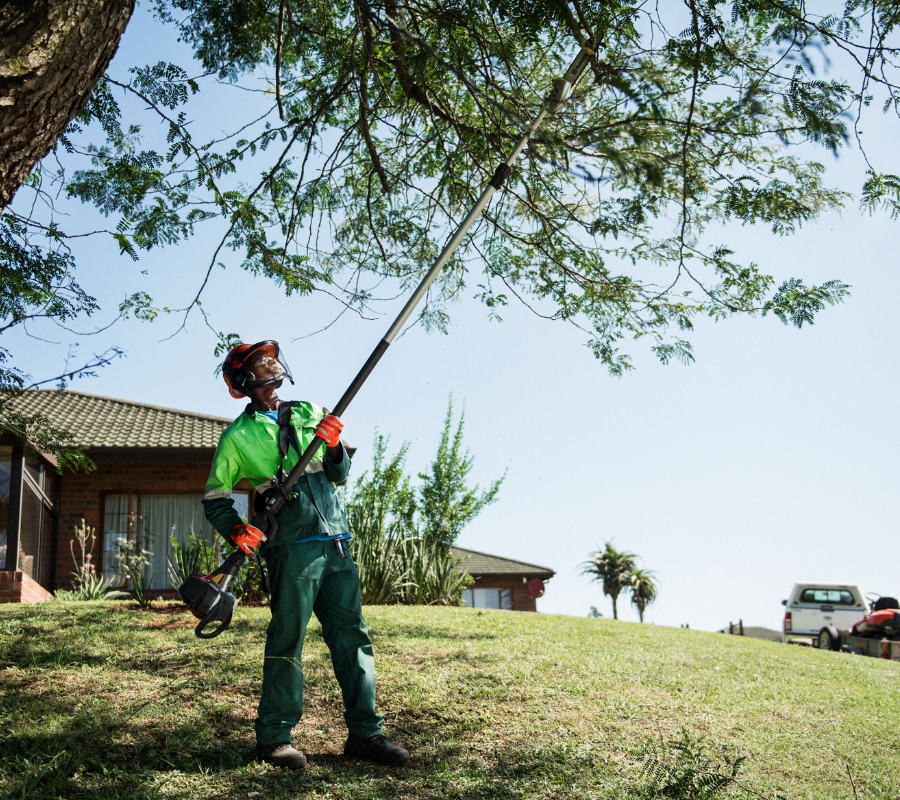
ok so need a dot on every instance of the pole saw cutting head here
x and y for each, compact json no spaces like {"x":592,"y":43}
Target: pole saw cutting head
{"x":208,"y":596}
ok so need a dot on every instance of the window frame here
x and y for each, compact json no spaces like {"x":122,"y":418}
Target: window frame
{"x":136,"y":510}
{"x":19,"y":479}
{"x":504,"y":597}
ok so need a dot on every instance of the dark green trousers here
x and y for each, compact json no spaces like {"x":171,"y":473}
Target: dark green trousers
{"x":306,"y":578}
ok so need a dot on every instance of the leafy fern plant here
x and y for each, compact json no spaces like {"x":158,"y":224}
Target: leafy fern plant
{"x":684,"y":769}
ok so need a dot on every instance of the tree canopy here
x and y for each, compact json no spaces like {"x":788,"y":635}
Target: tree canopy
{"x":612,"y":569}
{"x":385,"y":120}
{"x":644,"y":589}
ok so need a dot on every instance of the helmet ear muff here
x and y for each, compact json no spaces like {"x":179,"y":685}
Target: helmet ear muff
{"x":232,"y":388}
{"x":234,"y":373}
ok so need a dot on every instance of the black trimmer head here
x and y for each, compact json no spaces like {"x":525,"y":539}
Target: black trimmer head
{"x":208,"y":598}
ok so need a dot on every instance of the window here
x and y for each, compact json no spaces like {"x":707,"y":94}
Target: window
{"x":29,"y":531}
{"x":27,"y":507}
{"x":5,"y":477}
{"x":35,"y":520}
{"x":488,"y":598}
{"x":151,"y":521}
{"x":829,"y":597}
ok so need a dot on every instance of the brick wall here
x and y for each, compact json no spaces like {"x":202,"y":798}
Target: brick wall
{"x":522,"y":601}
{"x":17,"y":587}
{"x":82,"y":497}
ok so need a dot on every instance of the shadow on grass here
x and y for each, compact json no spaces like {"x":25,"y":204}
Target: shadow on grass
{"x":150,"y":759}
{"x":74,"y":765}
{"x":24,"y":652}
{"x":59,"y":648}
{"x":129,"y":749}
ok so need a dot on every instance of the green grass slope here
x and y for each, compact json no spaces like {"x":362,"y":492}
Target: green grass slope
{"x":103,"y":701}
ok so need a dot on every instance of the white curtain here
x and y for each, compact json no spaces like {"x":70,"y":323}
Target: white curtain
{"x":150,"y":522}
{"x":168,"y":516}
{"x":488,"y":598}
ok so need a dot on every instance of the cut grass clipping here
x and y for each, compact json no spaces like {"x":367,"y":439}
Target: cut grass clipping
{"x":101,"y":700}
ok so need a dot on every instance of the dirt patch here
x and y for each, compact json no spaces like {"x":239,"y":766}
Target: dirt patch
{"x":165,"y":609}
{"x":165,"y":624}
{"x":168,"y":609}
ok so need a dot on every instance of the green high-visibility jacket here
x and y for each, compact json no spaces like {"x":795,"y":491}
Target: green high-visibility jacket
{"x":248,"y":448}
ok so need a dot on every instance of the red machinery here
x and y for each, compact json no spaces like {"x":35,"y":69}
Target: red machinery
{"x":877,"y":634}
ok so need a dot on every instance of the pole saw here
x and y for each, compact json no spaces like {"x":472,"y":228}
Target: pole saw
{"x":209,"y":597}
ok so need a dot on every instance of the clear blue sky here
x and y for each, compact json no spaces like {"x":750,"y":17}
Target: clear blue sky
{"x":770,"y":460}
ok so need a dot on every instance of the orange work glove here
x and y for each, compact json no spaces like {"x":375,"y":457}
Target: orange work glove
{"x":330,"y":430}
{"x":246,"y":536}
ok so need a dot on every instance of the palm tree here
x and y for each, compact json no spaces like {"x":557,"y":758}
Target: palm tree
{"x":610,"y":568}
{"x":643,"y":588}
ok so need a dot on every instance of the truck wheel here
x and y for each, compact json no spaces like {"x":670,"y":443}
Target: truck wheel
{"x":829,"y":639}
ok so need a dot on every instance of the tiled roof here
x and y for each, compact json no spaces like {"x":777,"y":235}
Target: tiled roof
{"x":97,"y":421}
{"x":478,"y":564}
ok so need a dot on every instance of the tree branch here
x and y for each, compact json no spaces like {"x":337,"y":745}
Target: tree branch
{"x":278,"y":60}
{"x":85,"y":371}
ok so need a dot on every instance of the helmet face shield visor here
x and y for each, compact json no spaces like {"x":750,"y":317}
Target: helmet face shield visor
{"x":265,"y":364}
{"x":251,"y":366}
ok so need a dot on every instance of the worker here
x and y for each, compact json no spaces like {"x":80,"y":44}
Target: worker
{"x":310,"y":568}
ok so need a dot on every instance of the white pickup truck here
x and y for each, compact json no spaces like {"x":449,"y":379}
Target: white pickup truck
{"x":813,"y":606}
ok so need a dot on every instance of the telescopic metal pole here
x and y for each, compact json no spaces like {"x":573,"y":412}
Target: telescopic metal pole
{"x":562,"y":88}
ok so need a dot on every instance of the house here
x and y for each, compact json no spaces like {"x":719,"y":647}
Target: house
{"x":501,"y":582}
{"x":152,"y":465}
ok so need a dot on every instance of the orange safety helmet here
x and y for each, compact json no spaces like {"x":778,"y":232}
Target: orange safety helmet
{"x":237,"y":374}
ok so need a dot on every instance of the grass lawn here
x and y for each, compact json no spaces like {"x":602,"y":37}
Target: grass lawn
{"x":103,"y":700}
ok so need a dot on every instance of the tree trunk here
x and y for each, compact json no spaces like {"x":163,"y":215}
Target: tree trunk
{"x":52,"y":55}
{"x":615,"y":612}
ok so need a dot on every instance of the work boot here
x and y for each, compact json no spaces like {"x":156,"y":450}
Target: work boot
{"x":375,"y":748}
{"x":281,"y":755}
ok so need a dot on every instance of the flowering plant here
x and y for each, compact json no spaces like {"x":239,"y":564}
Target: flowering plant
{"x":88,"y":583}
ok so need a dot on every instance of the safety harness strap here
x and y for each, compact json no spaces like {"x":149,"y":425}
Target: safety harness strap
{"x":284,"y":437}
{"x":284,"y":444}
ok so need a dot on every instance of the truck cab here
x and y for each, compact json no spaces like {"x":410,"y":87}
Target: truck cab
{"x":815,"y":605}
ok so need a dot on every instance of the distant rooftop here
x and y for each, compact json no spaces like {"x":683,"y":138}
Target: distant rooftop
{"x":482,"y":564}
{"x":97,"y":421}
{"x":757,"y":632}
